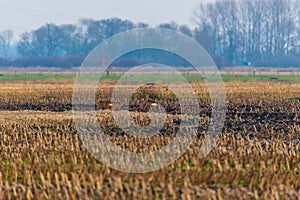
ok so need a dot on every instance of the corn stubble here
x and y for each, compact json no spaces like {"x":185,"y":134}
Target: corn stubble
{"x":257,"y":156}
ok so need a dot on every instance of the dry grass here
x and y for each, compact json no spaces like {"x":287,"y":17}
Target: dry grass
{"x":257,"y":156}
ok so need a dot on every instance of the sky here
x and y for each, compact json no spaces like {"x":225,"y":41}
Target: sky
{"x":26,"y":15}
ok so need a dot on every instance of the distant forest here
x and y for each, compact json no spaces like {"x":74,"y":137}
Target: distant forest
{"x":234,"y":32}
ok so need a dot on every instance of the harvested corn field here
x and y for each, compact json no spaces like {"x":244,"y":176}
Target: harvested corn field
{"x":256,"y":157}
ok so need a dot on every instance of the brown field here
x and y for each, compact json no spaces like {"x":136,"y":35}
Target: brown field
{"x":257,"y":156}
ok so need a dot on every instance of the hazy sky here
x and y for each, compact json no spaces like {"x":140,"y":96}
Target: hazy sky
{"x":25,"y":15}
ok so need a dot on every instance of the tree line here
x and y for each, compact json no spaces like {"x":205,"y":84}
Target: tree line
{"x":234,"y":32}
{"x":264,"y":32}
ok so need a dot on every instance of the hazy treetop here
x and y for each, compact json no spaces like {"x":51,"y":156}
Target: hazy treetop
{"x":22,"y":16}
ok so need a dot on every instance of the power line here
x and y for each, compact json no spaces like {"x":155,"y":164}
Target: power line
{"x":14,"y":27}
{"x":32,"y":12}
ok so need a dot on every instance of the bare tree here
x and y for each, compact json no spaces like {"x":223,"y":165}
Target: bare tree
{"x":186,"y":30}
{"x":6,"y":39}
{"x":248,"y":30}
{"x":208,"y":21}
{"x":170,"y":25}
